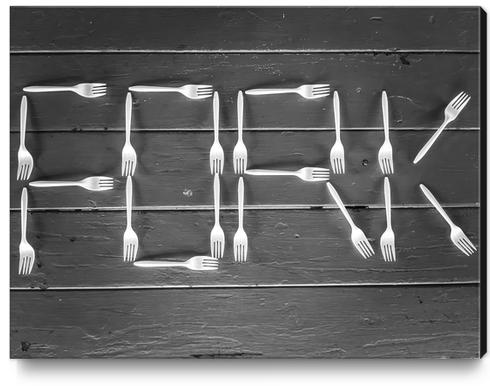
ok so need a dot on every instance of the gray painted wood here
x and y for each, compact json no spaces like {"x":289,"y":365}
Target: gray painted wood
{"x":419,"y":88}
{"x":257,"y":29}
{"x":359,"y":322}
{"x":286,"y":247}
{"x":348,"y":307}
{"x":173,"y":168}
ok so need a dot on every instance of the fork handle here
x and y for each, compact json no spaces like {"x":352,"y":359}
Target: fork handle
{"x":336,"y":111}
{"x":268,"y":172}
{"x":430,"y":142}
{"x":159,"y":264}
{"x":386,"y":118}
{"x":436,"y":204}
{"x":240,"y":202}
{"x":216,"y":198}
{"x":270,"y":91}
{"x":240,"y":114}
{"x":129,"y":199}
{"x":47,"y":88}
{"x":387,"y":190}
{"x":23,"y":118}
{"x":53,"y":184}
{"x":129,"y":110}
{"x":153,"y":89}
{"x":340,"y":204}
{"x":216,"y":114}
{"x":23,"y":213}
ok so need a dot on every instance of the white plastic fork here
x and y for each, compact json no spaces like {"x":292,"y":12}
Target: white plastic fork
{"x":26,"y":252}
{"x":385,"y":154}
{"x":191,"y":91}
{"x":457,"y":235}
{"x":25,"y":160}
{"x":306,"y":174}
{"x":337,"y":152}
{"x":96,"y":183}
{"x":240,"y":241}
{"x":130,"y":237}
{"x":196,"y":263}
{"x":450,"y":114}
{"x":129,"y":159}
{"x":358,"y":237}
{"x":216,"y":154}
{"x":308,"y":91}
{"x":217,"y":238}
{"x":87,"y":90}
{"x":240,"y":150}
{"x":387,"y":241}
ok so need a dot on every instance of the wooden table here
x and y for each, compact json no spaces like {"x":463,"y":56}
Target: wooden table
{"x":304,"y":291}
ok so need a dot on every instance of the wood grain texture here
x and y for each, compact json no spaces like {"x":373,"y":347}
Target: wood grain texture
{"x":406,"y":322}
{"x":232,"y":29}
{"x":173,"y":168}
{"x":419,"y":88}
{"x":305,"y":292}
{"x":84,"y":249}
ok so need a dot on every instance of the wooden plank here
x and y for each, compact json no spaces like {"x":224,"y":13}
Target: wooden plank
{"x":394,"y":322}
{"x":236,"y":29}
{"x":173,"y":168}
{"x":419,"y":88}
{"x":293,"y":247}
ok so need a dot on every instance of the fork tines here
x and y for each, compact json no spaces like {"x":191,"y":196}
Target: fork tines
{"x":364,"y":247}
{"x":338,"y":166}
{"x":99,"y":88}
{"x":204,"y":91}
{"x":23,"y":172}
{"x":386,"y":166}
{"x":128,"y":168}
{"x":459,"y":100}
{"x":106,"y":183}
{"x":320,"y":174}
{"x":26,"y":264}
{"x":130,"y":252}
{"x":465,"y":245}
{"x":321,"y":89}
{"x":209,"y":262}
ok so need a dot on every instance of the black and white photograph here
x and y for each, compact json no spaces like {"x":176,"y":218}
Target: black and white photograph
{"x":245,"y":182}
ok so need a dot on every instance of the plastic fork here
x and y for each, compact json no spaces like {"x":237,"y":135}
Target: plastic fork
{"x":26,"y":252}
{"x":25,"y":160}
{"x":129,"y":159}
{"x":337,"y":152}
{"x":240,"y":151}
{"x":216,"y":154}
{"x":308,"y":91}
{"x":385,"y":154}
{"x":130,"y":237}
{"x":306,"y":174}
{"x":196,"y":263}
{"x":87,"y":90}
{"x":96,"y":183}
{"x":387,"y":241}
{"x":358,"y":237}
{"x":457,"y":235}
{"x":450,"y":114}
{"x":191,"y":91}
{"x":217,"y":239}
{"x":240,"y":241}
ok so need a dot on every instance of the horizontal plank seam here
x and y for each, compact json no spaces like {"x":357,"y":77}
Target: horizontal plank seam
{"x":246,"y":207}
{"x":245,"y":286}
{"x":209,"y":129}
{"x":385,"y":51}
